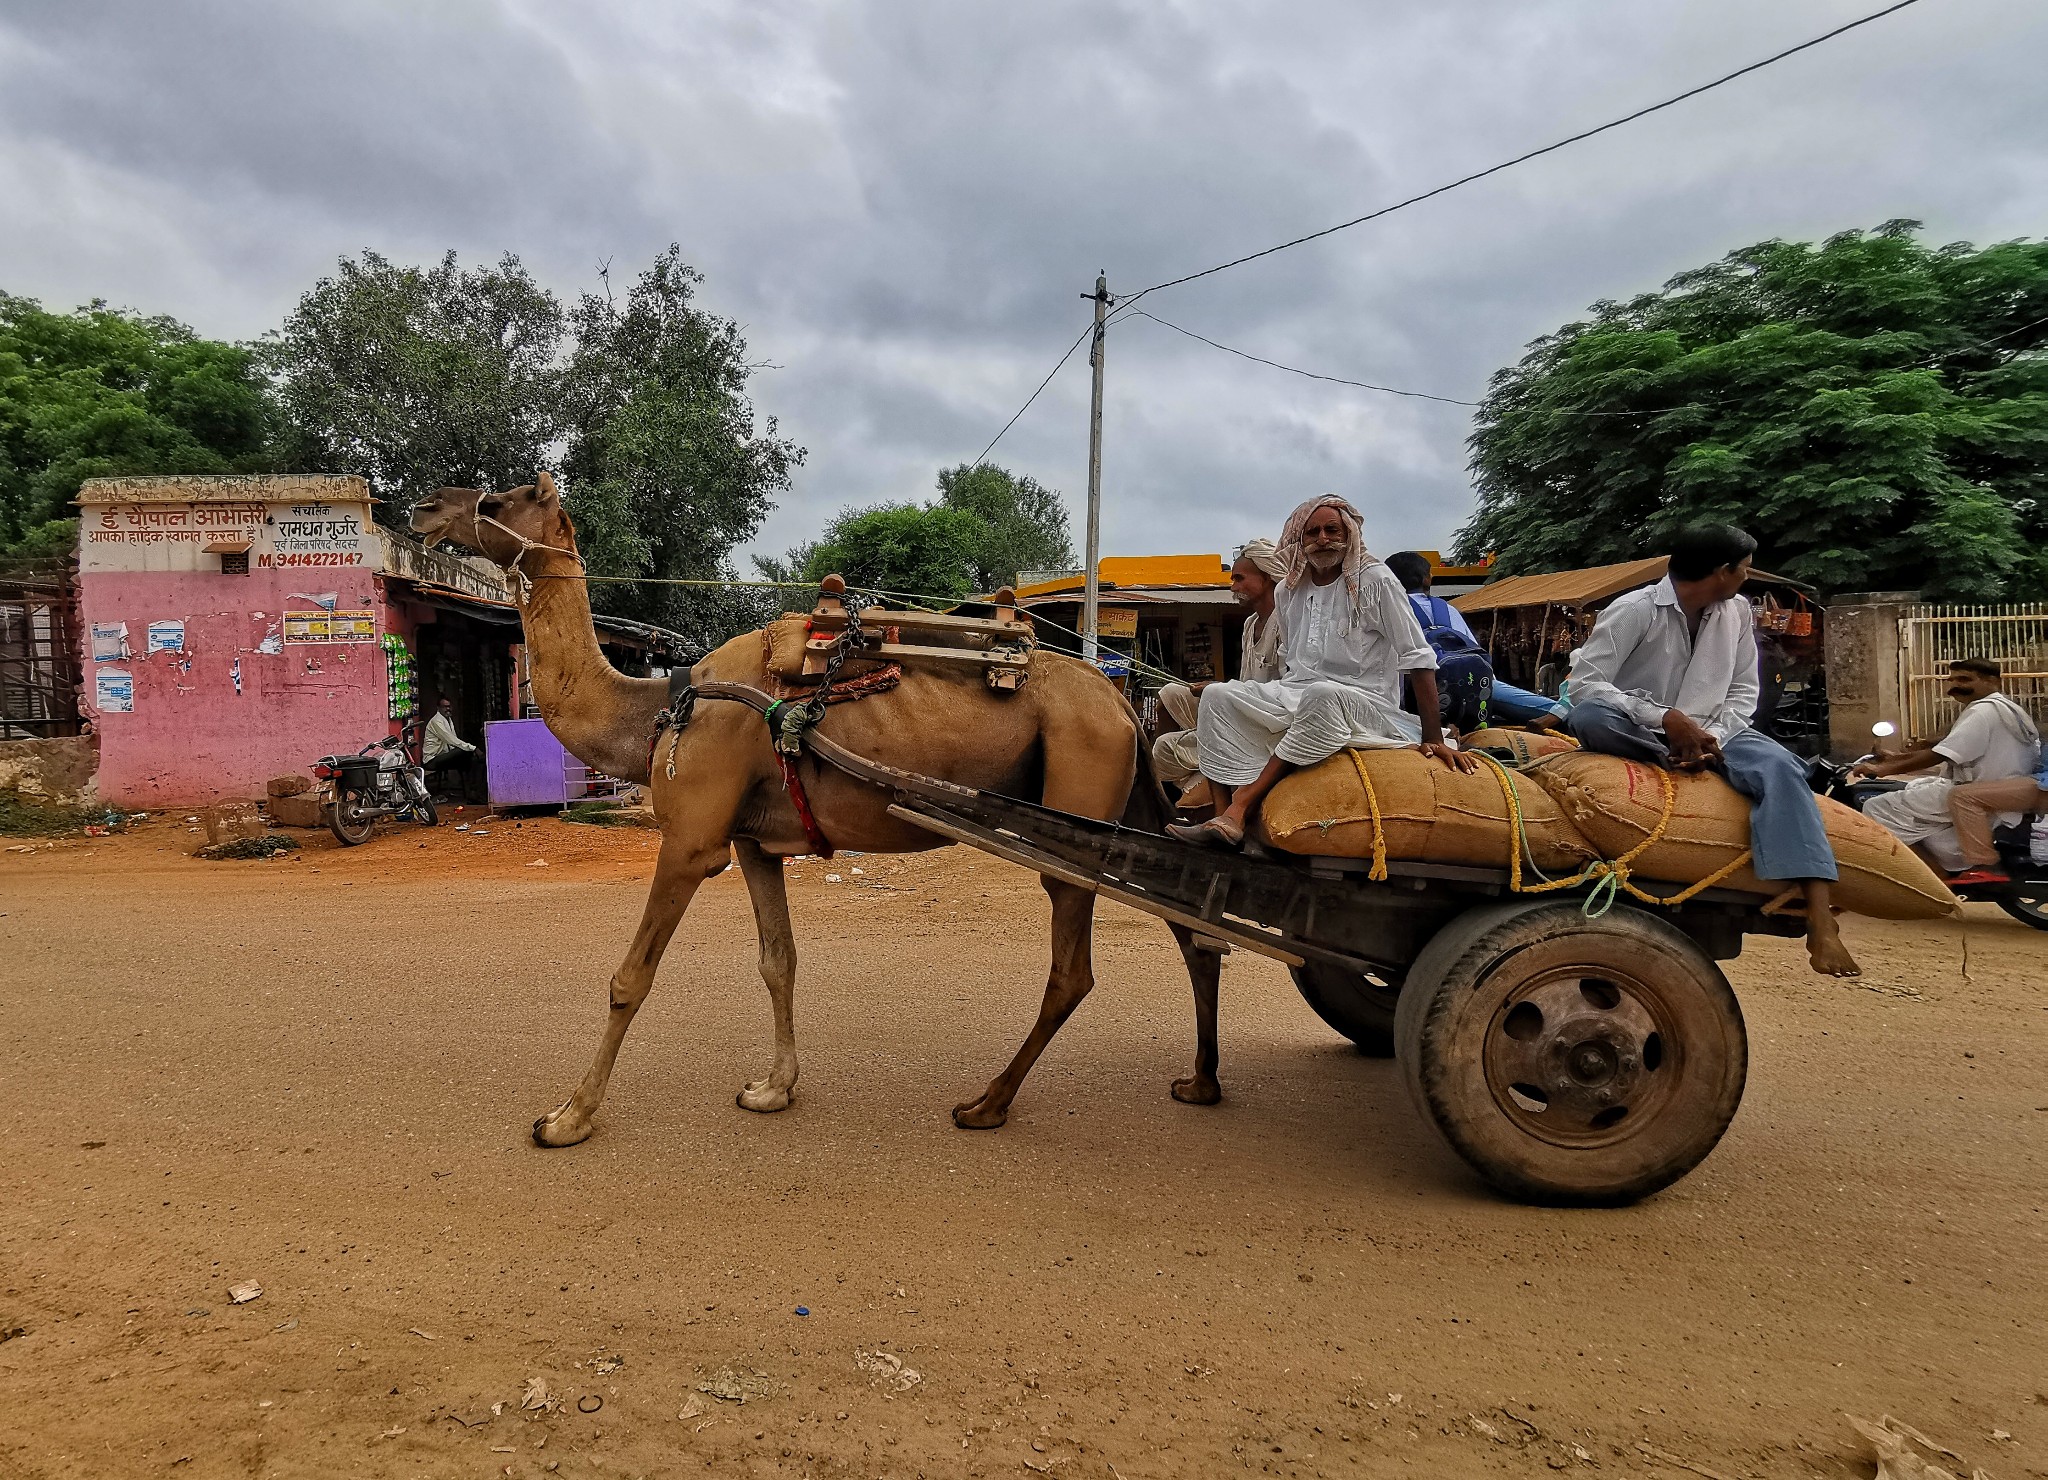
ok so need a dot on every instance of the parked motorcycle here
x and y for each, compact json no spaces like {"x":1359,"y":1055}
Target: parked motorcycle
{"x":380,"y":780}
{"x":2025,"y":898}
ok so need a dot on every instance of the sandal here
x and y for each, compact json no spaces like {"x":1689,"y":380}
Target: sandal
{"x":1217,"y":832}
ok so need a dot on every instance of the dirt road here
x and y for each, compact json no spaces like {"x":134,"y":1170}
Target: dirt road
{"x":318,"y":1075}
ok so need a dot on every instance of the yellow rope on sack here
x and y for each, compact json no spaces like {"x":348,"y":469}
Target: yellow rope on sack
{"x":1611,"y":875}
{"x":1378,"y":873}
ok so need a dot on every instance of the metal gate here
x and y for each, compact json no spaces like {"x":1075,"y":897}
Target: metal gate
{"x":1932,"y":637}
{"x":39,"y":671}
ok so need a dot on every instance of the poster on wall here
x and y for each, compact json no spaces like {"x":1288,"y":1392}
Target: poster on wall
{"x":331,"y":626}
{"x":166,"y":637}
{"x":110,"y":642}
{"x":113,"y":691}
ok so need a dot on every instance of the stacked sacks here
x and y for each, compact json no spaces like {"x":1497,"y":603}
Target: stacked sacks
{"x":1616,"y":804}
{"x":1518,"y":747}
{"x":1429,"y":813}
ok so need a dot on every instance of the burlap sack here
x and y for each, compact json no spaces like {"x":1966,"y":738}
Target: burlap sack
{"x":1430,"y":813}
{"x":1616,"y":804}
{"x":1519,"y":745}
{"x":782,"y":648}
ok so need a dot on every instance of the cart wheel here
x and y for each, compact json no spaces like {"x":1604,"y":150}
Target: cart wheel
{"x":1359,"y":1006}
{"x":2028,"y":905}
{"x":1572,"y":1060}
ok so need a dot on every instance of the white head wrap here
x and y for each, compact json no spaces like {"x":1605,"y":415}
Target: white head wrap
{"x":1356,"y":556}
{"x":1265,"y":555}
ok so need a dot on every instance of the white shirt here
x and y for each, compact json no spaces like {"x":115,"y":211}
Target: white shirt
{"x":1993,"y":739}
{"x":1643,"y":657}
{"x":441,"y":738}
{"x":1318,"y":642}
{"x":1258,"y":653}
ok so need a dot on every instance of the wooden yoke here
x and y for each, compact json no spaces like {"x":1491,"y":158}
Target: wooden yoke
{"x":1000,"y":645}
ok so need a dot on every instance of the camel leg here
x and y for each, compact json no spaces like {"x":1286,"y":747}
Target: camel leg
{"x":1071,"y":978}
{"x":681,"y":867}
{"x":1204,"y":967}
{"x":778,"y":968}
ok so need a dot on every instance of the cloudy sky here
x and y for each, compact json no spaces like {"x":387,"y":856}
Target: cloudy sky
{"x":903,"y":203}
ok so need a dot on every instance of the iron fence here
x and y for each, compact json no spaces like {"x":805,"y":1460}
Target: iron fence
{"x":1932,"y":637}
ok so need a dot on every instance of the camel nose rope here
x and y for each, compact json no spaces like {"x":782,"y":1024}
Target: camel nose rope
{"x":478,"y":515}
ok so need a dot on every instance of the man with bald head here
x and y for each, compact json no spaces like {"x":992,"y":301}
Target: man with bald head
{"x":1347,"y":639}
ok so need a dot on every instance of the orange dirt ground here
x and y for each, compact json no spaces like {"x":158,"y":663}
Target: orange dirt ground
{"x":317,"y":1074}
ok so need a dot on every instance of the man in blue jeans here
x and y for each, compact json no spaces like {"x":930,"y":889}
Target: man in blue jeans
{"x":1507,"y":704}
{"x":1669,"y":676}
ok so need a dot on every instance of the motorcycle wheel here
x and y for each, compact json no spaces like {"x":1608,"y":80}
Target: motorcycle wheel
{"x":428,"y":814}
{"x":2028,"y":905}
{"x":346,"y":821}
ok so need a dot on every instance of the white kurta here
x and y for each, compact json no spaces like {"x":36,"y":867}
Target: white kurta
{"x":1176,"y":756}
{"x":1340,"y":683}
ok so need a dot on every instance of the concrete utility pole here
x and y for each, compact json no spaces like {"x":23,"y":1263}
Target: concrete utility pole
{"x":1091,"y":582}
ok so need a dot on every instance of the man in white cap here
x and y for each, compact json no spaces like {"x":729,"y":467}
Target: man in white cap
{"x":1347,"y":639}
{"x":1254,"y":577}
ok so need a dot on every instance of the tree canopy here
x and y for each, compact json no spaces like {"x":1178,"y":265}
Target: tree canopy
{"x":986,"y":525}
{"x":666,"y":467}
{"x":104,"y":392}
{"x":1873,"y":410}
{"x":419,"y":378}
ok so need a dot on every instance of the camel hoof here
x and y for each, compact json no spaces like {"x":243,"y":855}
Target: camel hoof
{"x":560,"y":1128}
{"x":1197,"y":1089}
{"x":763,"y":1097}
{"x":976,"y":1115}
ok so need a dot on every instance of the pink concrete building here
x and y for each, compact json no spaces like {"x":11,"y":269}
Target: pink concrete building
{"x":236,"y":628}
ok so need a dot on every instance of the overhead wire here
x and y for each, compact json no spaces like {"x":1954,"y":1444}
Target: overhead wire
{"x":983,"y":456}
{"x":1524,"y":158}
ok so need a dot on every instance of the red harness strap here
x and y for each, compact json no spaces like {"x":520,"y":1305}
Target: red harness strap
{"x":793,"y":783}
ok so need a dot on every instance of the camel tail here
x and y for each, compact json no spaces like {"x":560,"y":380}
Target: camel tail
{"x":1148,"y":810}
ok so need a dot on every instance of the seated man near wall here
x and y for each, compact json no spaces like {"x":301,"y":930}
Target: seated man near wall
{"x":441,"y":749}
{"x":1669,"y":676}
{"x":1991,"y":755}
{"x":1254,"y":576}
{"x":1506,"y":704}
{"x":1347,"y":637}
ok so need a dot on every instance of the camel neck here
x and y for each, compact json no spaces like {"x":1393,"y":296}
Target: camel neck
{"x":596,"y":711}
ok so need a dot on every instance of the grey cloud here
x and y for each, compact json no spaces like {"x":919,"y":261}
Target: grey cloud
{"x":902,"y":203}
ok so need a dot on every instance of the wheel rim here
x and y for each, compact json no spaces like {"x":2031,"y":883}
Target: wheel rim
{"x":2031,"y":904}
{"x":1582,"y":1057}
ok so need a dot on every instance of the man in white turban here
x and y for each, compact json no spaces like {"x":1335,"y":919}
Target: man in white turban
{"x":1347,"y":638}
{"x":1254,"y":577}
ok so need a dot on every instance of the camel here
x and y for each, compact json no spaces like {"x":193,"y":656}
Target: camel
{"x":1066,"y":739}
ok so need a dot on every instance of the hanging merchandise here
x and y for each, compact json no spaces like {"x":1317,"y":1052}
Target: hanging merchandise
{"x":399,"y":673}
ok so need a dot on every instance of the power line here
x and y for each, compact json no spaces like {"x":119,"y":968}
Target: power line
{"x":1034,"y":395}
{"x":1295,"y":370}
{"x":1532,"y":154}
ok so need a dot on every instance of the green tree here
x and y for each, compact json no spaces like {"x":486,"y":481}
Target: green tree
{"x":1024,"y":523}
{"x":104,"y":392}
{"x":1873,"y":410}
{"x":913,"y":549}
{"x":418,"y":378}
{"x":667,"y":468}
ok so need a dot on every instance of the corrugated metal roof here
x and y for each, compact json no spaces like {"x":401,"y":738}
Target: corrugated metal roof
{"x":1563,"y":587}
{"x":1583,"y":587}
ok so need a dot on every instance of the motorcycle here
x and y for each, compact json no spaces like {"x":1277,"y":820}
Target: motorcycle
{"x":2025,"y":898}
{"x":380,"y":780}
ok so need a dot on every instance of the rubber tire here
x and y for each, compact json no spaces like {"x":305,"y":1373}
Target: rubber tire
{"x":1449,"y":1002}
{"x":340,"y":829}
{"x":428,"y":814}
{"x":1360,"y":1009}
{"x":2032,"y":912}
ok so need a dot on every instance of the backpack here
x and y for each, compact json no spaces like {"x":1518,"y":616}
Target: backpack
{"x":1464,"y":673}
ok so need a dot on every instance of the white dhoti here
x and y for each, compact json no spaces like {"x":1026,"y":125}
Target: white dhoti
{"x":1244,"y":725}
{"x":1918,"y":813}
{"x":1175,"y":755}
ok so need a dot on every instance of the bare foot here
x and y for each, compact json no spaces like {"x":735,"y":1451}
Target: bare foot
{"x":565,"y":1125}
{"x":1197,"y":1089}
{"x":1829,"y":956}
{"x":764,"y":1096}
{"x":978,"y":1115}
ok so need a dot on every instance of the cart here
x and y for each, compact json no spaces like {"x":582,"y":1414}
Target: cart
{"x":1570,"y":1054}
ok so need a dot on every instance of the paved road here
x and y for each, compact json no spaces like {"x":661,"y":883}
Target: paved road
{"x":318,"y":1076}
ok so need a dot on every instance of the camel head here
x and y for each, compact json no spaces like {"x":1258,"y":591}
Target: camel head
{"x":492,"y":524}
